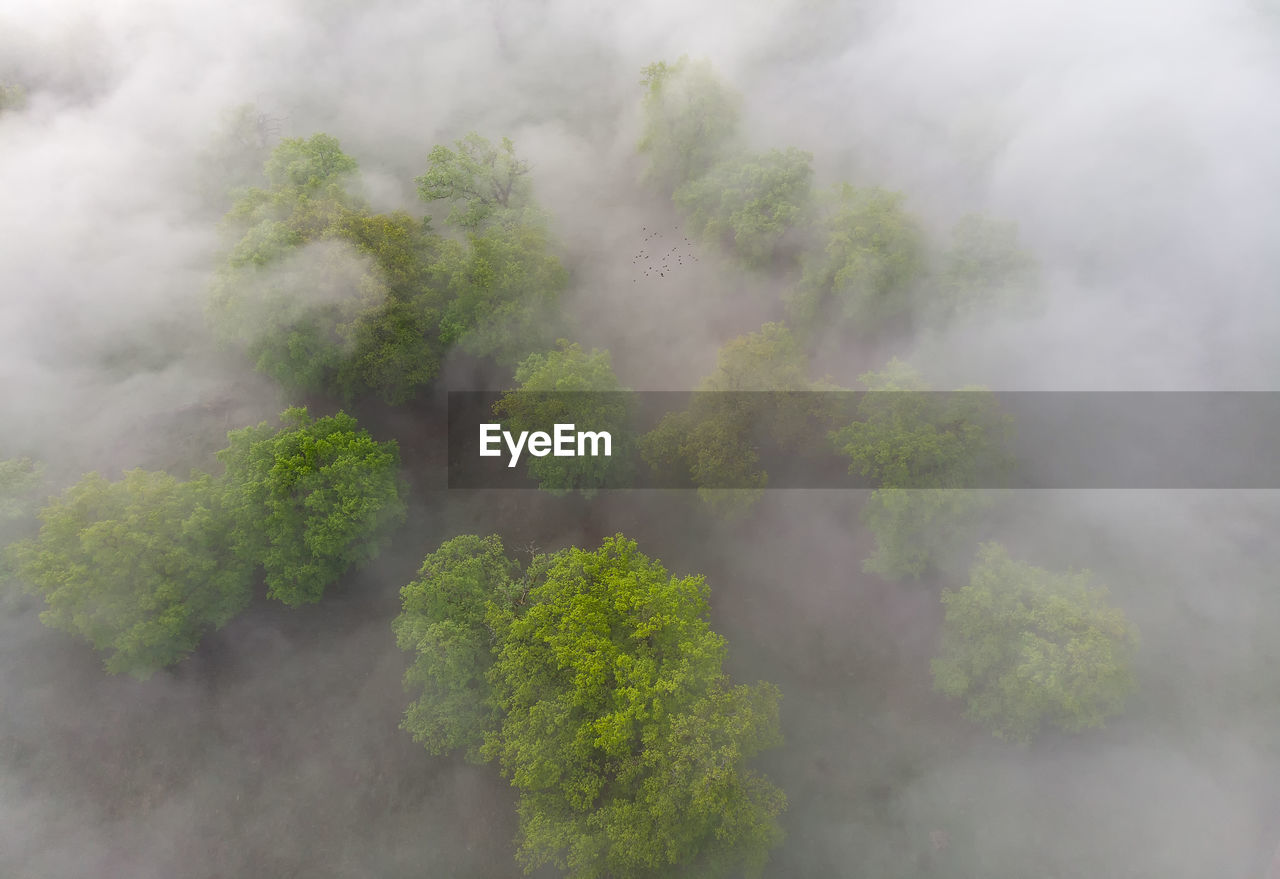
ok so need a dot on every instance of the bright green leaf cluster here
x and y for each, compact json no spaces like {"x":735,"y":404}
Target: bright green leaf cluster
{"x":620,"y":731}
{"x":1025,"y":648}
{"x":599,"y":688}
{"x":144,"y":567}
{"x":312,"y":500}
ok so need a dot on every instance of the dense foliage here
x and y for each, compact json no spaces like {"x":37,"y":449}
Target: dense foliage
{"x":595,"y":681}
{"x":139,"y":568}
{"x":311,"y":500}
{"x":1026,"y":648}
{"x":752,"y":204}
{"x":621,"y":732}
{"x":444,"y":621}
{"x":328,"y":297}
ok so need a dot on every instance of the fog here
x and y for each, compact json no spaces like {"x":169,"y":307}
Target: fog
{"x":1133,"y":142}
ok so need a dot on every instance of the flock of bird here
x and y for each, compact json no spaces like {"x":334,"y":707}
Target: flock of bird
{"x":662,"y":264}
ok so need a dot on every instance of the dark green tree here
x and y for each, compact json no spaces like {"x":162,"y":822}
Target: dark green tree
{"x":311,"y":499}
{"x":138,"y":568}
{"x":622,"y":734}
{"x":1026,"y":648}
{"x":569,"y":386}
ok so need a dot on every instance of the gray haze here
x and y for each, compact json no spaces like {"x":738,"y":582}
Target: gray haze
{"x":1134,"y":142}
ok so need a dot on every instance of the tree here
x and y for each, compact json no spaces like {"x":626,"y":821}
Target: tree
{"x":865,"y":275}
{"x":501,"y":288}
{"x":13,"y":97}
{"x":690,"y":118}
{"x":569,"y":386}
{"x":906,"y":436}
{"x":984,"y":267}
{"x":747,"y":405}
{"x":750,"y":203}
{"x":928,"y":451}
{"x":20,"y":479}
{"x":443,"y":622}
{"x":919,"y":530}
{"x":620,"y":729}
{"x":138,"y":568}
{"x":326,"y":296}
{"x":312,"y":499}
{"x":1025,"y":648}
{"x":483,"y":183}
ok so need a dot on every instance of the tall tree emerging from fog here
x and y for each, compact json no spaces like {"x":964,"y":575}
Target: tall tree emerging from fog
{"x":502,"y":284}
{"x":621,"y":732}
{"x":690,"y":120}
{"x":138,"y":568}
{"x":444,"y":622}
{"x":481,"y":182}
{"x":1026,"y":648}
{"x":325,"y":296}
{"x":751,"y":204}
{"x":570,"y":386}
{"x":311,"y":500}
{"x":864,"y":276}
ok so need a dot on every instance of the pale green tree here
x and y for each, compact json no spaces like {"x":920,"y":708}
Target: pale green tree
{"x":1026,"y":649}
{"x":568,"y":385}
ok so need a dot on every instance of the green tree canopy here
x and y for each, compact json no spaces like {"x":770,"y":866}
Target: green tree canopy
{"x":502,"y":287}
{"x":864,"y":276}
{"x":928,"y":451}
{"x":326,"y":296}
{"x":443,"y":622}
{"x":621,"y":732}
{"x":482,"y":183}
{"x":138,"y":568}
{"x":690,"y":119}
{"x":749,"y":403}
{"x":311,"y":499}
{"x":1025,"y":648}
{"x":569,"y":386}
{"x":907,"y":436}
{"x":750,"y":203}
